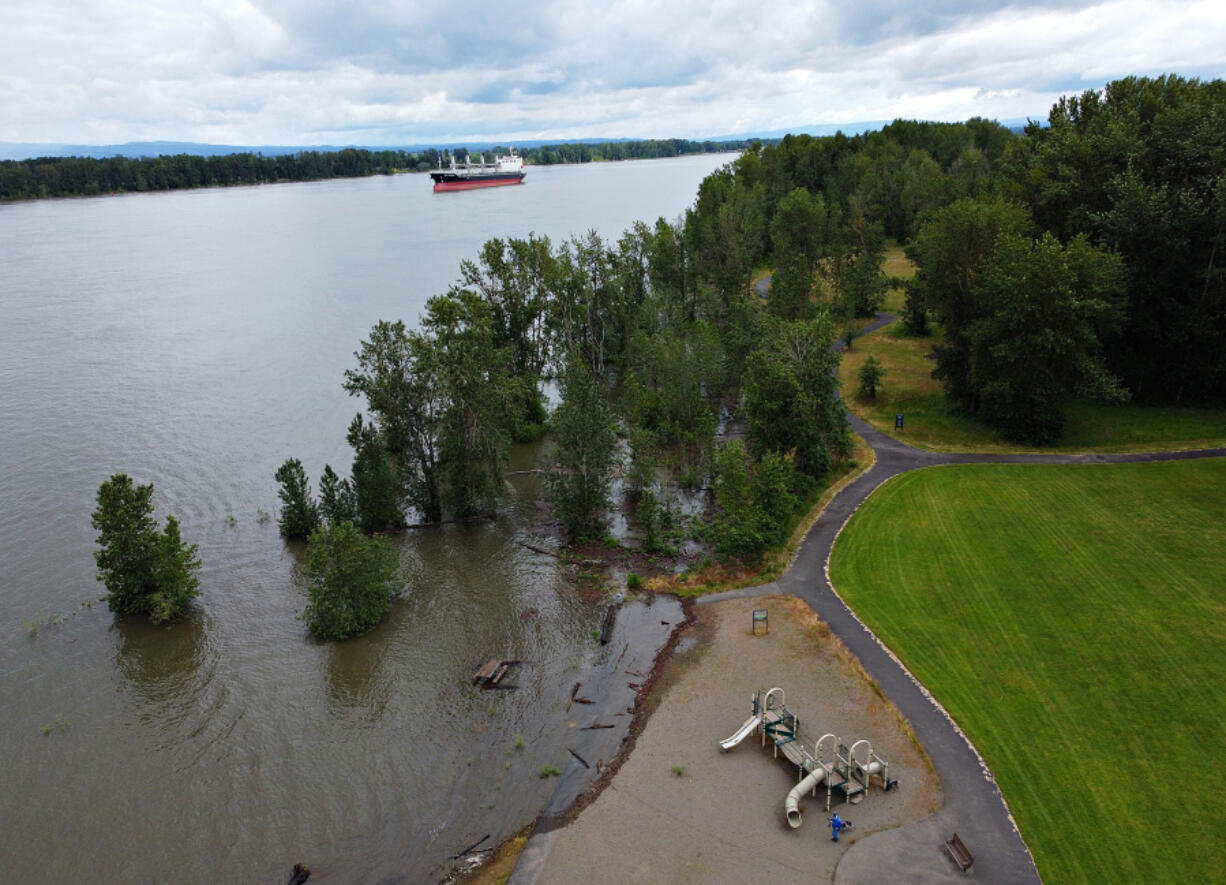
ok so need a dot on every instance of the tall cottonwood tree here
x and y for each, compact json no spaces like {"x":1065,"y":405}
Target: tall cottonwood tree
{"x":585,"y":453}
{"x":949,"y":252}
{"x":791,"y":396}
{"x":1138,"y":167}
{"x":403,"y":395}
{"x":458,"y":348}
{"x":1043,"y":310}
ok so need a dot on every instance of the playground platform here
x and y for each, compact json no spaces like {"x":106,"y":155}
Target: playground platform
{"x":847,"y":772}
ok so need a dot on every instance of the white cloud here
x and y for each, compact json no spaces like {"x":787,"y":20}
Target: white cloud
{"x":396,"y":72}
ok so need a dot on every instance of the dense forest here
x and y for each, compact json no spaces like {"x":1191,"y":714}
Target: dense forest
{"x":1079,"y":258}
{"x":84,"y":176}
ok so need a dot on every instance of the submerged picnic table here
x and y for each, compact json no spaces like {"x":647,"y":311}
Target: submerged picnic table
{"x":491,"y":672}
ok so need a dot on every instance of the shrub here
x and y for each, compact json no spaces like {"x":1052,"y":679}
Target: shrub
{"x":870,"y":375}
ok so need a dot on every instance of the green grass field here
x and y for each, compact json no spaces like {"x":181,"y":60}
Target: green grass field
{"x":1072,"y":619}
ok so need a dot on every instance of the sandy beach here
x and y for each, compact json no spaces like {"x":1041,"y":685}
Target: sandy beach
{"x":680,"y":810}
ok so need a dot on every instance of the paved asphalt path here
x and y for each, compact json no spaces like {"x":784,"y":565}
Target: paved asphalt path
{"x":974,"y":808}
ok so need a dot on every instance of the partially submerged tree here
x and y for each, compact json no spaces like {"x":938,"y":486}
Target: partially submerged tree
{"x":145,"y":571}
{"x":459,"y":351}
{"x":299,"y":515}
{"x":337,"y":500}
{"x":403,"y":397}
{"x":586,"y":443}
{"x":377,"y":482}
{"x":754,"y":503}
{"x":352,"y":580}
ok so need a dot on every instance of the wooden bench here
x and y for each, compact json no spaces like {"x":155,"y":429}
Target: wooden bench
{"x":960,"y":853}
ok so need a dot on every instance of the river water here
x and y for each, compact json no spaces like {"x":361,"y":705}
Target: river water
{"x":195,"y":340}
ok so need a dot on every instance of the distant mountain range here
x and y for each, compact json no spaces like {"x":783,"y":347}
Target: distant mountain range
{"x":12,"y":150}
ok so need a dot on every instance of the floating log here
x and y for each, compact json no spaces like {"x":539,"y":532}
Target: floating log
{"x":606,"y":628}
{"x":596,"y":726}
{"x":580,"y":758}
{"x":471,"y":848}
{"x":583,"y":701}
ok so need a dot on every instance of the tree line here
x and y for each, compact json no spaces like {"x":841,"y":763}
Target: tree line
{"x":656,"y":339}
{"x":86,"y":176}
{"x":650,"y":340}
{"x":1081,"y":258}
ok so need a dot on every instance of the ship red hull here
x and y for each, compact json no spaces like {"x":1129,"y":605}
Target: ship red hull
{"x":473,"y":184}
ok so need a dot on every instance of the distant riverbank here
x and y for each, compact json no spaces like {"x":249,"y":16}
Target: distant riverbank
{"x":44,"y":177}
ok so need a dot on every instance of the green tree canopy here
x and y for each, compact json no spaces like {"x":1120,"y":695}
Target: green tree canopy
{"x":791,"y":397}
{"x":299,"y":515}
{"x":585,"y":452}
{"x":950,"y":251}
{"x":352,"y":580}
{"x":145,"y":571}
{"x":1042,"y":310}
{"x":1138,"y":167}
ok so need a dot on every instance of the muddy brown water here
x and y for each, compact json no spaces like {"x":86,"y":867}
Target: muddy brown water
{"x":195,"y":340}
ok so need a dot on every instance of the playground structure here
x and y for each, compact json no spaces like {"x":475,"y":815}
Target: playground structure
{"x":847,"y":771}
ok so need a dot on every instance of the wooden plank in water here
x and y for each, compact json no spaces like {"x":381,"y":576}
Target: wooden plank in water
{"x":487,"y":670}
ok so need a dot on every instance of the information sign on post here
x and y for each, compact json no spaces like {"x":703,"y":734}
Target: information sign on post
{"x":759,"y":617}
{"x":898,"y":421}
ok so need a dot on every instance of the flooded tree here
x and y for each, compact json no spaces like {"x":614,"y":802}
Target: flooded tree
{"x":146,"y":572}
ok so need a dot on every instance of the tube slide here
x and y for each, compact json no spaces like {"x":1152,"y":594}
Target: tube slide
{"x":741,"y":733}
{"x":792,"y":803}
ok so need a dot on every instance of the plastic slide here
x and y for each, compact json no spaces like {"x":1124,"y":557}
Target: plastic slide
{"x":741,"y":733}
{"x":791,"y":805}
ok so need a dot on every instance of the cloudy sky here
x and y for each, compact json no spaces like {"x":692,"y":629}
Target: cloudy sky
{"x":296,"y":72}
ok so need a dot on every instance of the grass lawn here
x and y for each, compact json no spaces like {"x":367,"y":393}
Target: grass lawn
{"x":1072,"y":619}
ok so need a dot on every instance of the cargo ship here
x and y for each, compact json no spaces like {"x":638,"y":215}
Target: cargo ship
{"x":504,"y":170}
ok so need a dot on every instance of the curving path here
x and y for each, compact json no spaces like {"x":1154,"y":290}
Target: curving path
{"x":974,"y":807}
